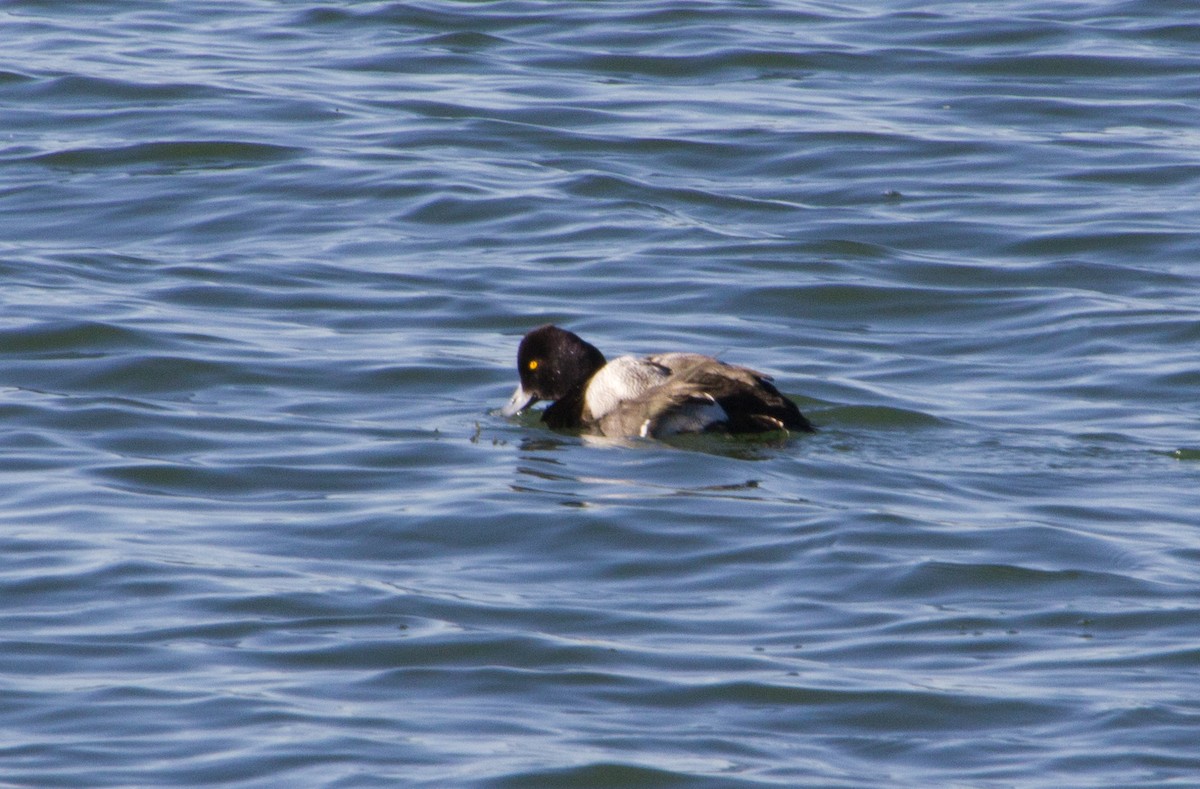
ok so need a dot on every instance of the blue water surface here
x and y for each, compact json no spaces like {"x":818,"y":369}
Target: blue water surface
{"x":265,"y":267}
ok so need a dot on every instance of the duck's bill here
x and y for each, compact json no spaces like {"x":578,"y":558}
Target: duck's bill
{"x":519,"y":401}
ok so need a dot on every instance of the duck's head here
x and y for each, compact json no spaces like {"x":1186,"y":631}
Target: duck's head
{"x":551,"y":363}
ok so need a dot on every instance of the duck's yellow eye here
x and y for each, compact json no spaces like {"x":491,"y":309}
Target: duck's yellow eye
{"x":533,"y":364}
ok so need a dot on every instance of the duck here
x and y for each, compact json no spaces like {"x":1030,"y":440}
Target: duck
{"x":652,"y":396}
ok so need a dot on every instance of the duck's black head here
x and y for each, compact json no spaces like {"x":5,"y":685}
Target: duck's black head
{"x":551,"y":363}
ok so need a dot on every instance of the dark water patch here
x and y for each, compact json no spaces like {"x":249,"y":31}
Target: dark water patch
{"x":472,"y":210}
{"x":1127,"y":619}
{"x":704,"y":68}
{"x":429,"y":59}
{"x":144,"y":374}
{"x":1089,"y":274}
{"x":68,"y":268}
{"x":918,"y":307}
{"x":939,"y":580}
{"x":609,"y":188}
{"x":609,"y":774}
{"x":204,"y":154}
{"x":795,"y":706}
{"x":439,"y":21}
{"x":98,"y":570}
{"x":943,"y":31}
{"x":465,"y":40}
{"x":1063,"y":65}
{"x":1140,"y":175}
{"x":273,"y":295}
{"x":470,"y":656}
{"x":227,"y":463}
{"x":76,"y":340}
{"x":14,"y":77}
{"x":1133,"y":245}
{"x":66,"y":413}
{"x":635,"y":28}
{"x":877,"y":417}
{"x":245,"y":481}
{"x":847,"y":249}
{"x":316,"y":16}
{"x":1182,"y":33}
{"x":100,"y":92}
{"x":182,"y":437}
{"x":758,"y":447}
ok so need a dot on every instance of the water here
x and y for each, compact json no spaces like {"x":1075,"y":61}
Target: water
{"x":265,"y":267}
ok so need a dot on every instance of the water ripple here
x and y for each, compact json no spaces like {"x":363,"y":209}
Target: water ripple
{"x":265,"y":271}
